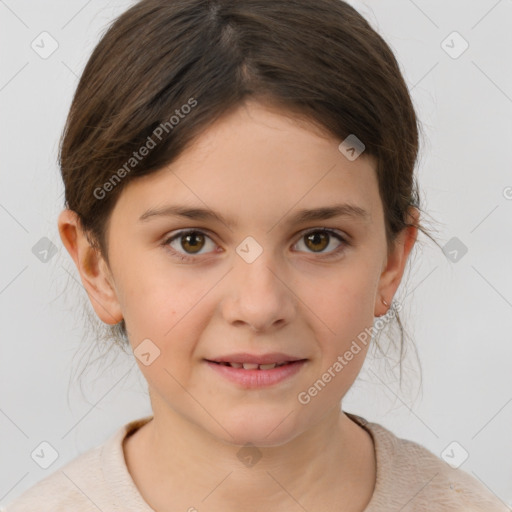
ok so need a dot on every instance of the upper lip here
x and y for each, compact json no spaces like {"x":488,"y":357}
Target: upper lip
{"x":274,"y":357}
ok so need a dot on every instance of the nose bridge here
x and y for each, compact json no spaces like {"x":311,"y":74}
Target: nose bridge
{"x":258,"y":295}
{"x":258,"y":275}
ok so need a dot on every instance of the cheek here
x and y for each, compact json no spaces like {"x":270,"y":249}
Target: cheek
{"x":347,"y":309}
{"x":347,"y":303}
{"x":153,"y":299}
{"x":170,"y":311}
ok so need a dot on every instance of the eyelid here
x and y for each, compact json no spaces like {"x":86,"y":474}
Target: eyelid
{"x":322,"y":228}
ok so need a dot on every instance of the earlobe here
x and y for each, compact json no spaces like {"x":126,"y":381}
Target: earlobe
{"x":94,"y":273}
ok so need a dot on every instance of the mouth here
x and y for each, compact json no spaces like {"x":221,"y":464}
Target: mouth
{"x":252,"y":371}
{"x":254,"y":366}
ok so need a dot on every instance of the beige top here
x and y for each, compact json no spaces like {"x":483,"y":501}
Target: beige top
{"x":409,"y":479}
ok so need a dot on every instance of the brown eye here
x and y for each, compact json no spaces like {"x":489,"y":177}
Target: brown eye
{"x":317,"y":241}
{"x":192,"y":242}
{"x":185,"y":245}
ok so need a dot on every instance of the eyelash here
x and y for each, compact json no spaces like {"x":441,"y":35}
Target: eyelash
{"x":190,"y":258}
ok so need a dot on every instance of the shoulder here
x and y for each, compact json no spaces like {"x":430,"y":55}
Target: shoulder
{"x":412,"y":478}
{"x":62,"y":490}
{"x":81,"y":485}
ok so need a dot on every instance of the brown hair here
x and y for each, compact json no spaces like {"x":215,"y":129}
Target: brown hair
{"x":321,"y":60}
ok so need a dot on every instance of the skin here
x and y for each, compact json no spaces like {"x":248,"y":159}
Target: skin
{"x":257,"y":165}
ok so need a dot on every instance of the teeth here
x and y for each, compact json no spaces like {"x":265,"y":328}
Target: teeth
{"x":250,"y":366}
{"x":254,"y":366}
{"x":267,"y":366}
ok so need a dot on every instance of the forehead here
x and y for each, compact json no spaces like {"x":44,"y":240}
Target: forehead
{"x":258,"y":164}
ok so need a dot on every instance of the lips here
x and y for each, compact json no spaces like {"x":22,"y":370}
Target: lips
{"x":259,"y":374}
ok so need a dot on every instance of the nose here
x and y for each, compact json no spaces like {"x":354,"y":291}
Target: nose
{"x":258,"y":296}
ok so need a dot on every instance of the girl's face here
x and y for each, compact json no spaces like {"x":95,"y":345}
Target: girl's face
{"x":264,"y":280}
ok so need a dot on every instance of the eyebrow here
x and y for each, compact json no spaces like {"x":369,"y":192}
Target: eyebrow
{"x":305,"y":215}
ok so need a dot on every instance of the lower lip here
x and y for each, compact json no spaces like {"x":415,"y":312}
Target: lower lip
{"x":257,"y":378}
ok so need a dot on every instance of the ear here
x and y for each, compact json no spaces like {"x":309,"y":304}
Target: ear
{"x":396,"y":260}
{"x":94,"y":272}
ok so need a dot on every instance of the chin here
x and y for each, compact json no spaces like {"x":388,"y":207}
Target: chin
{"x":263,"y":430}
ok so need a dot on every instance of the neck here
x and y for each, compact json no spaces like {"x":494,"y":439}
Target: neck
{"x":330,"y":465}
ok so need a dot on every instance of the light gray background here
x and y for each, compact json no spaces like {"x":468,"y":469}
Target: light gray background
{"x":459,"y":313}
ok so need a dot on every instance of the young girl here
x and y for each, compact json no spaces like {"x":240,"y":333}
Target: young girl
{"x":241,"y":205}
